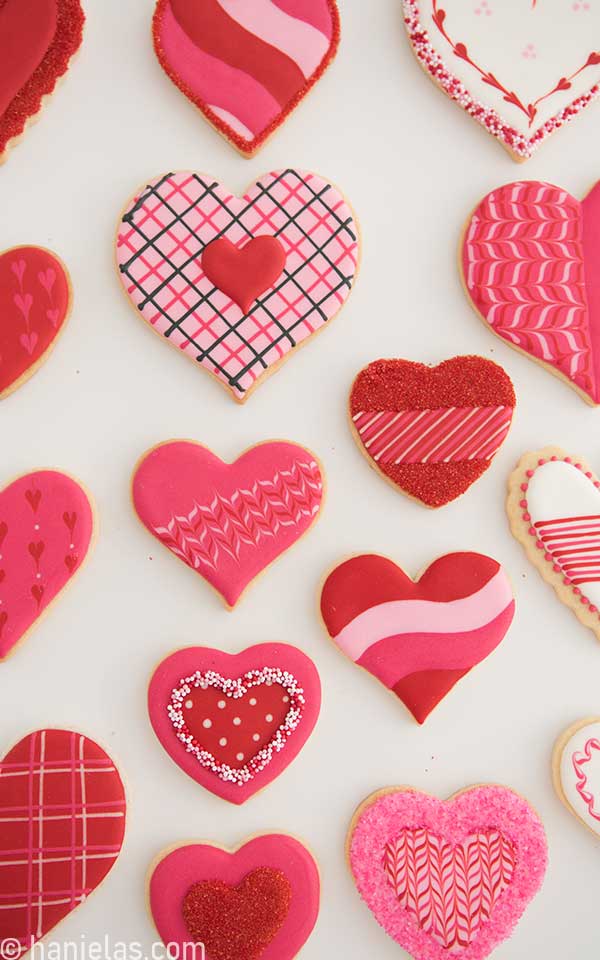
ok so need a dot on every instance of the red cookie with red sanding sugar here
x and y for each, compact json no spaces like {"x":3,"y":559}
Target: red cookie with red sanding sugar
{"x":37,"y":40}
{"x":431,"y":431}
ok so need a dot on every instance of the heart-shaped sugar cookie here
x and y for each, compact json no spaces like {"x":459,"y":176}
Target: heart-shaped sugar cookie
{"x":576,"y":771}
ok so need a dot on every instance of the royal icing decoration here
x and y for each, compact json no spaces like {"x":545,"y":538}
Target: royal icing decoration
{"x":37,"y":40}
{"x":529,"y":266}
{"x":46,"y":526}
{"x":188,"y":257}
{"x":260,"y":901}
{"x":234,"y":722}
{"x":246,"y":65}
{"x":431,"y":431}
{"x":418,"y":637}
{"x":228,"y":521}
{"x":577,"y":772}
{"x":542,"y":75}
{"x":62,"y":806}
{"x":447,"y":877}
{"x":554,"y":512}
{"x":35,"y":297}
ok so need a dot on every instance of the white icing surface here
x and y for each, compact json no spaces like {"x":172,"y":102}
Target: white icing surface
{"x":575,"y":749}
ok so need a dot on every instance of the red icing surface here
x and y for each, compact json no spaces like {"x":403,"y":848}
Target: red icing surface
{"x":246,"y":272}
{"x":181,"y":869}
{"x":34,"y":303}
{"x":40,"y":37}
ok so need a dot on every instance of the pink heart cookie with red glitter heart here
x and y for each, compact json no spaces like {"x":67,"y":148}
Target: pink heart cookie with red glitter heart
{"x":448,"y":876}
{"x":228,"y":521}
{"x":238,"y":323}
{"x":62,"y":806}
{"x":46,"y":529}
{"x":234,"y":722}
{"x":261,"y":900}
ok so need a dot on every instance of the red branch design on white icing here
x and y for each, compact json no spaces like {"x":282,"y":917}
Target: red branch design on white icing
{"x":578,"y":760}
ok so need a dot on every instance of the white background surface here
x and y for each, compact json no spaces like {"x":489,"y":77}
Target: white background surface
{"x":413,"y":166}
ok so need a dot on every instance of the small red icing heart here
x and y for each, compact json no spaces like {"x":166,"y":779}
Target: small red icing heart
{"x":432,"y":431}
{"x":243,"y":273}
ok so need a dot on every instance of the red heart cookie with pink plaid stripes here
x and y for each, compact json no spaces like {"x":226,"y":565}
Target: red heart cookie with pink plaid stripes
{"x":431,"y":431}
{"x":62,"y":806}
{"x":447,"y":877}
{"x":35,"y":299}
{"x":37,"y":40}
{"x":46,"y":529}
{"x":234,"y":722}
{"x":239,"y":324}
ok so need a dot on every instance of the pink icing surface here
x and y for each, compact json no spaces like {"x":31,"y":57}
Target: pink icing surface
{"x":185,"y":866}
{"x":315,"y":12}
{"x":186,"y":662}
{"x":454,"y":821}
{"x":590,"y":212}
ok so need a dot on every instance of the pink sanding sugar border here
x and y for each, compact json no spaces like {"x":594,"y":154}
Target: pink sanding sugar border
{"x":476,"y":808}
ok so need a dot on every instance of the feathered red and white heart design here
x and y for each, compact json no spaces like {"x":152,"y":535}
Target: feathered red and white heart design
{"x":238,"y":283}
{"x":46,"y":529}
{"x":246,"y":66}
{"x":228,"y":521}
{"x":62,"y":805}
{"x":35,"y":299}
{"x":542,"y":75}
{"x":234,"y":722}
{"x":431,"y":431}
{"x":447,"y":877}
{"x":529,"y":266}
{"x":554,"y":511}
{"x":261,"y":900}
{"x":37,"y":40}
{"x":419,"y":637}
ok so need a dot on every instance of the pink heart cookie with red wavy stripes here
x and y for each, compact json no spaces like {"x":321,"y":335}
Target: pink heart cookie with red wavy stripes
{"x":554,"y":511}
{"x":228,"y":521}
{"x":46,"y":530}
{"x":447,"y":877}
{"x":529,"y":266}
{"x":419,"y":637}
{"x":431,"y":431}
{"x":237,"y":284}
{"x":246,"y":66}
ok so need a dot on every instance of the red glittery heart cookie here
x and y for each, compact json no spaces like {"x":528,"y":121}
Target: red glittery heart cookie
{"x":431,"y":431}
{"x":35,"y":299}
{"x":418,"y":637}
{"x":260,"y":901}
{"x":62,"y":808}
{"x":37,"y":40}
{"x":234,"y":722}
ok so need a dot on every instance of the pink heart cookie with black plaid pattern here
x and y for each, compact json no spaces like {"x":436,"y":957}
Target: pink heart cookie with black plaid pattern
{"x":238,"y":330}
{"x":62,"y":805}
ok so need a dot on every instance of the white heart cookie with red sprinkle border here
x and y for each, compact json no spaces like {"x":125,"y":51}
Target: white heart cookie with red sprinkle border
{"x":554,"y":511}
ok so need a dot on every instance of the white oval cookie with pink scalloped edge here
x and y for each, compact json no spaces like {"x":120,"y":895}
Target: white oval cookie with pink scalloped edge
{"x":576,"y":771}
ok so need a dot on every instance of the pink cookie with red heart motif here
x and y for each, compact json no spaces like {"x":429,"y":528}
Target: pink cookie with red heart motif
{"x":46,"y":530}
{"x":447,"y":877}
{"x":234,"y":722}
{"x":228,"y":521}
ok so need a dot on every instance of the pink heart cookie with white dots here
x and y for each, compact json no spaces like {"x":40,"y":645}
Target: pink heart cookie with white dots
{"x":234,"y":722}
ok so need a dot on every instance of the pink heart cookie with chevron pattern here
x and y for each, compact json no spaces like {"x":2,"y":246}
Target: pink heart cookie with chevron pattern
{"x":447,"y":877}
{"x":529,"y":260}
{"x":228,"y":521}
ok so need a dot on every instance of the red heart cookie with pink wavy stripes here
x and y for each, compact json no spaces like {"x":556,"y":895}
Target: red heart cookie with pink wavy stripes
{"x":37,"y":40}
{"x":447,"y":877}
{"x":246,"y":66}
{"x":234,"y":722}
{"x":419,"y":637}
{"x":46,"y":530}
{"x":431,"y":431}
{"x":35,"y":299}
{"x":529,"y":260}
{"x":62,"y":807}
{"x":261,"y":900}
{"x":228,"y":521}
